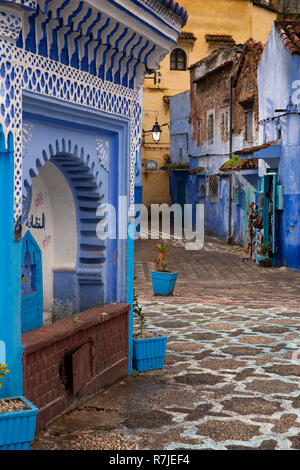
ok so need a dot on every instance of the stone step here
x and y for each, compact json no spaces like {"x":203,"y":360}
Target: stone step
{"x":84,"y":204}
{"x":85,"y":184}
{"x":88,"y":195}
{"x":81,"y":177}
{"x":84,"y":262}
{"x":85,"y":215}
{"x":92,"y":247}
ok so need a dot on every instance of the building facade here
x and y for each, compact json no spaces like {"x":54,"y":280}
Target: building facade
{"x":212,"y":24}
{"x":279,"y":191}
{"x":222,"y":118}
{"x":71,"y":73}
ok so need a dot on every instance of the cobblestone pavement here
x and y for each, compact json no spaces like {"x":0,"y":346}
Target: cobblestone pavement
{"x":232,"y":370}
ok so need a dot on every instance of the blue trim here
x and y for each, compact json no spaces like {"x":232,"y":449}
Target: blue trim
{"x":75,"y":12}
{"x":10,"y":274}
{"x":117,"y":129}
{"x":274,"y":151}
{"x":92,"y":25}
{"x":117,"y":5}
{"x":65,"y":4}
{"x":137,"y":3}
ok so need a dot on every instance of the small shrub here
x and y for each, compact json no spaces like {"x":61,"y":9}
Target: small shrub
{"x":138,"y":311}
{"x":161,"y":265}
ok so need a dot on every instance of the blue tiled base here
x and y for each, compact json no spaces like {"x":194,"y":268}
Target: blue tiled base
{"x":17,"y":428}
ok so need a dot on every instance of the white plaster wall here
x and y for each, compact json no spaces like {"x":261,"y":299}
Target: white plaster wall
{"x":51,"y":195}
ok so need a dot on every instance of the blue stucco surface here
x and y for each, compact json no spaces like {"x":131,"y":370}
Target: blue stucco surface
{"x":211,"y":157}
{"x":277,"y":71}
{"x":73,"y":72}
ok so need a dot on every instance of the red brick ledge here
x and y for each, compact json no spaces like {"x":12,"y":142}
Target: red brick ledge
{"x":47,"y":335}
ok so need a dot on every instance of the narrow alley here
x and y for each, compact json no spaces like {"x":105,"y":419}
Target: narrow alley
{"x":232,"y":369}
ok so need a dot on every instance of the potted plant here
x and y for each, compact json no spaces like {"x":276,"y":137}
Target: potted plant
{"x":149,"y":349}
{"x":163,"y":281}
{"x":266,"y":251}
{"x":17,"y":420}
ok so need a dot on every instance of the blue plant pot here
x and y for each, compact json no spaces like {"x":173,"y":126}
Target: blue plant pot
{"x":149,"y":353}
{"x":163,"y":283}
{"x":17,"y":428}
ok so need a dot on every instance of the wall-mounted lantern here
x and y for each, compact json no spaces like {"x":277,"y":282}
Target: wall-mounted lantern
{"x":156,"y":131}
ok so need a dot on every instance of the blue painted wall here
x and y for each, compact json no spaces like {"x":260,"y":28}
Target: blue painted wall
{"x":10,"y":274}
{"x":216,"y":212}
{"x":130,"y":283}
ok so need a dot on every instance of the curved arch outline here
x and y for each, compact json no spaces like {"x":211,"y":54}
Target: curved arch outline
{"x":84,"y":180}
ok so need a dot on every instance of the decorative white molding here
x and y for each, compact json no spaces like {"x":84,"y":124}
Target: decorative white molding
{"x":26,"y":71}
{"x":26,"y":137}
{"x":167,"y":15}
{"x":10,"y":25}
{"x":103,"y":153}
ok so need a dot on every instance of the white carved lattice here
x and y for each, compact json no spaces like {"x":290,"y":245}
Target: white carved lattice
{"x":26,"y":137}
{"x":22,"y":70}
{"x":167,"y":15}
{"x":103,"y":152}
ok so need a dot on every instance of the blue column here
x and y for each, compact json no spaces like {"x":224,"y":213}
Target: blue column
{"x":11,"y":249}
{"x":130,"y":278}
{"x":10,"y":273}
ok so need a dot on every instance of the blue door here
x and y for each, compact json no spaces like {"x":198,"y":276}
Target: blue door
{"x":31,"y":285}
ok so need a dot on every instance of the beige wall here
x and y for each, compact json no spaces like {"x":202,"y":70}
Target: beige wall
{"x":238,"y":18}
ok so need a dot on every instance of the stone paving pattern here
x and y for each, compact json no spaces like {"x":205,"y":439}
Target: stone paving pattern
{"x":232,"y":370}
{"x":217,"y":275}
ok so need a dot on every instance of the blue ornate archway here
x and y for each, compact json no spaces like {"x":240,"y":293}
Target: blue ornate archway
{"x":87,"y":175}
{"x":87,"y":54}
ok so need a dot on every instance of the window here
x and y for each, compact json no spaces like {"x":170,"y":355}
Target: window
{"x":178,"y":60}
{"x":225,"y":124}
{"x":213,"y":188}
{"x":199,"y":132}
{"x":249,"y":125}
{"x":180,"y":155}
{"x":201,"y":189}
{"x":210,"y":128}
{"x":236,"y":195}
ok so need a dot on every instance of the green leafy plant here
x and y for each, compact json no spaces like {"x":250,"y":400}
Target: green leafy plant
{"x":138,"y":311}
{"x":3,"y":370}
{"x":233,"y":162}
{"x":161,"y":265}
